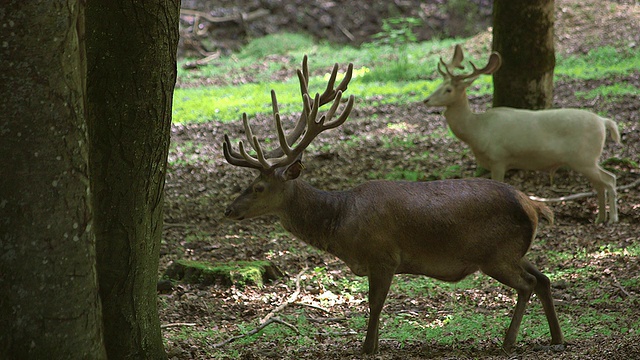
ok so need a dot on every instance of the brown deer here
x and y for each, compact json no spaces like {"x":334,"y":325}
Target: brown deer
{"x":504,"y":138}
{"x":442,"y":229}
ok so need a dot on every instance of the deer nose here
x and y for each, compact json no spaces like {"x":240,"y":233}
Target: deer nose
{"x":227,"y":212}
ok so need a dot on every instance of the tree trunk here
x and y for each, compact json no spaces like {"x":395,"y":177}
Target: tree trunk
{"x":131,"y":56}
{"x":49,"y":304}
{"x":523,"y":35}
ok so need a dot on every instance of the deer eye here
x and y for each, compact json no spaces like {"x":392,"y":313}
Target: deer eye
{"x":258,"y":188}
{"x":449,"y":90}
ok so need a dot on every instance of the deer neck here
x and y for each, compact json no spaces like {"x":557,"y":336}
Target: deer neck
{"x":312,"y":215}
{"x":460,"y":118}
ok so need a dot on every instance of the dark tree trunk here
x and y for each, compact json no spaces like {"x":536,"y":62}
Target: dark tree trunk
{"x":523,"y":35}
{"x":49,"y":303}
{"x":131,"y":57}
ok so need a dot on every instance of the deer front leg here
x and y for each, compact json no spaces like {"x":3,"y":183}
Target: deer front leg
{"x":379,"y":284}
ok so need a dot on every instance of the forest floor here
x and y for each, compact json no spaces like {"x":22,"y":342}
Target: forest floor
{"x":200,"y":184}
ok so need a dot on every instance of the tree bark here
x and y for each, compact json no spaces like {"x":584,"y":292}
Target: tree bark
{"x":131,"y":56}
{"x":523,"y":35}
{"x":49,"y":303}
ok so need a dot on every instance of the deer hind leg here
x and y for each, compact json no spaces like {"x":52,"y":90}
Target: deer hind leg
{"x":513,"y":275}
{"x":543,"y":291}
{"x":605,"y":184}
{"x":497,"y":172}
{"x":379,"y":284}
{"x":612,"y":196}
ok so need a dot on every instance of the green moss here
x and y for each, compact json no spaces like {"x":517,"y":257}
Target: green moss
{"x":229,"y":273}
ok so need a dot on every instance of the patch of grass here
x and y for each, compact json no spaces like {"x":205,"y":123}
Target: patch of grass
{"x":593,"y":321}
{"x":226,"y":103}
{"x":276,"y":44}
{"x":399,"y":173}
{"x":609,"y":92}
{"x":450,"y":172}
{"x":598,"y":63}
{"x":623,"y":162}
{"x":380,"y":78}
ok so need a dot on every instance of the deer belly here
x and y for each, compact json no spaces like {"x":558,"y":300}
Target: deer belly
{"x":441,"y":269}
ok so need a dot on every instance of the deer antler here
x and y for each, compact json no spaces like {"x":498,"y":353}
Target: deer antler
{"x":285,"y":154}
{"x":328,"y":95}
{"x":492,"y":65}
{"x":456,"y":62}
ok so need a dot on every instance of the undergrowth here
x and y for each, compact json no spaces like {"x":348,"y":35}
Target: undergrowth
{"x":374,"y":82}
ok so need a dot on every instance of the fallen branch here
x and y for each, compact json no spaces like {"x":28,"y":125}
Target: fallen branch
{"x":203,"y":61}
{"x":165,"y":326}
{"x":313,"y":306}
{"x":619,"y":286}
{"x":337,"y":333}
{"x":326,"y":320}
{"x":582,"y":195}
{"x":289,"y":301}
{"x":257,"y":330}
{"x":240,"y":17}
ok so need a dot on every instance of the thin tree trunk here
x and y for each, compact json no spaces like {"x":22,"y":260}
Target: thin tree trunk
{"x":523,"y":35}
{"x":131,"y":56}
{"x":49,"y":303}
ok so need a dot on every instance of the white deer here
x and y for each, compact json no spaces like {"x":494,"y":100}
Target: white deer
{"x":505,"y":138}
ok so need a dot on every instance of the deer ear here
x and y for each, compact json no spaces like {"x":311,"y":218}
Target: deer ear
{"x":293,"y":171}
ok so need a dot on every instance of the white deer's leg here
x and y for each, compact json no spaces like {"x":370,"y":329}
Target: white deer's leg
{"x":497,"y":172}
{"x":610,"y":185}
{"x":598,"y":181}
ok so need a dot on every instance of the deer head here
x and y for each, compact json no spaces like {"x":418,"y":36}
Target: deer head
{"x":453,"y":88}
{"x":279,"y":166}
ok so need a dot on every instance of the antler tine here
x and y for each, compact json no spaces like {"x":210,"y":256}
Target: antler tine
{"x":274,"y":103}
{"x":238,"y":158}
{"x":455,"y":63}
{"x":446,"y":72}
{"x":305,"y":69}
{"x":247,"y":129}
{"x":458,"y":56}
{"x":492,"y":65}
{"x":330,"y":92}
{"x":347,"y":78}
{"x":282,"y":139}
{"x":345,"y":113}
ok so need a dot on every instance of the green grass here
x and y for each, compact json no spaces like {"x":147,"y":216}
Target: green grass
{"x":609,"y":92}
{"x":375,"y":82}
{"x":599,"y":63}
{"x":457,"y":321}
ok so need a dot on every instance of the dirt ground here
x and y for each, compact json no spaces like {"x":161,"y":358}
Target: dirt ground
{"x":200,"y":184}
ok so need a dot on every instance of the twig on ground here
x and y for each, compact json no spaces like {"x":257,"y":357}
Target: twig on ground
{"x":346,"y":32}
{"x":326,"y":320}
{"x":203,"y":61}
{"x":581,"y":195}
{"x":313,"y":306}
{"x":289,"y":301}
{"x":619,"y":286}
{"x":256,"y":330}
{"x":172,"y":225}
{"x":222,"y":19}
{"x":165,"y":326}
{"x":337,"y":333}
